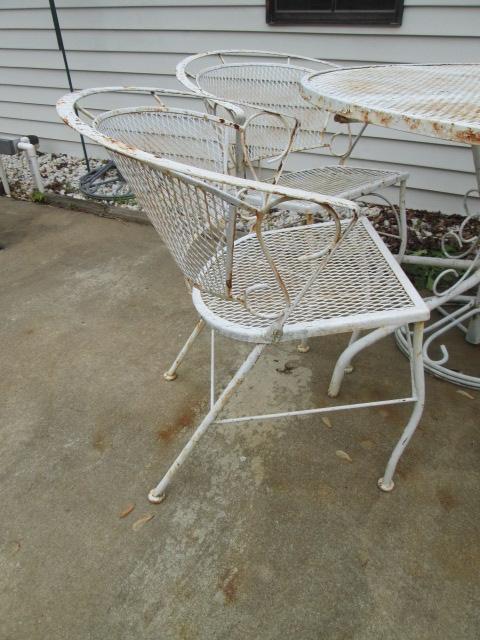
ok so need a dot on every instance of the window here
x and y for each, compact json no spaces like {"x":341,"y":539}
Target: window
{"x":335,"y":12}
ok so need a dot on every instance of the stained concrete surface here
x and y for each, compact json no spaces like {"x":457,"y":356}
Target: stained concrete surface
{"x":266,"y":533}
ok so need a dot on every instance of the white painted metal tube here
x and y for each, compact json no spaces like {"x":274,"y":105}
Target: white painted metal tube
{"x":426,"y":261}
{"x":305,"y":412}
{"x":402,"y":214}
{"x":4,"y":179}
{"x":212,"y":368}
{"x":156,"y":495}
{"x":453,"y":292}
{"x":346,"y":357}
{"x":171,"y":374}
{"x":386,"y":483}
{"x":353,"y":338}
{"x":31,"y":154}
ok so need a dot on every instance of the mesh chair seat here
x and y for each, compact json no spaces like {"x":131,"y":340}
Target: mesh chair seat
{"x":361,"y":287}
{"x":341,"y":181}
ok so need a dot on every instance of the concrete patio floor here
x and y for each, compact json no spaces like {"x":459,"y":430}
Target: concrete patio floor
{"x":266,"y":533}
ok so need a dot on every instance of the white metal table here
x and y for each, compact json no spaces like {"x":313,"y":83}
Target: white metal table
{"x":441,"y":101}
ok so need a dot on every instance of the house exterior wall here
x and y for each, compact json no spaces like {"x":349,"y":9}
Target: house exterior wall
{"x":121,"y":42}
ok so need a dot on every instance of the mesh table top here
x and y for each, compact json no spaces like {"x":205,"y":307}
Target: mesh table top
{"x":441,"y":100}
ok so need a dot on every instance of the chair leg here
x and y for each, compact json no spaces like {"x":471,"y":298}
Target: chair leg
{"x":303,"y":346}
{"x":416,"y":354}
{"x":355,"y":345}
{"x":353,"y":338}
{"x":171,"y":373}
{"x":157,"y":494}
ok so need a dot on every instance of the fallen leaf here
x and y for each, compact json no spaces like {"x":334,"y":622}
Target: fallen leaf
{"x":343,"y":455}
{"x":326,"y":422}
{"x":466,"y":394}
{"x":128,"y":509}
{"x":141,"y":521}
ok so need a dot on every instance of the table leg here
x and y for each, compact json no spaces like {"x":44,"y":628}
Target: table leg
{"x":466,"y":314}
{"x":473,"y":333}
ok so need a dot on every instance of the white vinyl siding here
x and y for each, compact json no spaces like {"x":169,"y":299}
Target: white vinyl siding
{"x":121,"y":42}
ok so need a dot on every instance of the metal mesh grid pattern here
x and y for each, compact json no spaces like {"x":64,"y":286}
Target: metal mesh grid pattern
{"x":357,"y":280}
{"x":270,"y":86}
{"x":345,"y":182}
{"x":181,"y":137}
{"x":440,"y":100}
{"x":190,"y":220}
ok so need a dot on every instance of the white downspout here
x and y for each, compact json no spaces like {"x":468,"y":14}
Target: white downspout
{"x":31,"y":154}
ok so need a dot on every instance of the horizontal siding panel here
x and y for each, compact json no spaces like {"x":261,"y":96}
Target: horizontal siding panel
{"x":61,"y":146}
{"x":42,"y":128}
{"x":407,"y":49}
{"x":57,"y":79}
{"x":401,"y":154}
{"x":418,"y":21}
{"x":117,"y":62}
{"x":114,"y":62}
{"x":94,"y":4}
{"x":73,"y":4}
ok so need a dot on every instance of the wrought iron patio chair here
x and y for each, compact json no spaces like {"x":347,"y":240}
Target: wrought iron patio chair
{"x":267,"y":80}
{"x":264,"y":288}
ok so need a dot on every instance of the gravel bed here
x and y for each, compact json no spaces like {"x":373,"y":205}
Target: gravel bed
{"x":60,"y":173}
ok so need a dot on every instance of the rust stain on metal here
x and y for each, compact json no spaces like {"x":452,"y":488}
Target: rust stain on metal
{"x":386,"y":120}
{"x":412,"y":123}
{"x":468,"y":137}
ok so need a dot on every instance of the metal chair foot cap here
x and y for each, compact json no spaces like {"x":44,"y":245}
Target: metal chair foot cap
{"x":303,"y":348}
{"x":154,"y":499}
{"x":349,"y":369}
{"x":385,"y":487}
{"x":332,"y":394}
{"x":169,"y":376}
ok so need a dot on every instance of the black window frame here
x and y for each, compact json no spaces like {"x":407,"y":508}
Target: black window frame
{"x":390,"y":17}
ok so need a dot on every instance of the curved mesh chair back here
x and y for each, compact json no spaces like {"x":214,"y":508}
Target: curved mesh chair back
{"x":271,"y":87}
{"x":179,"y":135}
{"x":261,"y":81}
{"x":191,"y":218}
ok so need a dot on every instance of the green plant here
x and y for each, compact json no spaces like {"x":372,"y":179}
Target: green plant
{"x":38,"y":196}
{"x":424,"y":276}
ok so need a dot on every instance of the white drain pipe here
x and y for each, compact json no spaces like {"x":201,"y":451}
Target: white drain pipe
{"x":28,"y":148}
{"x":31,"y":154}
{"x":3,"y":178}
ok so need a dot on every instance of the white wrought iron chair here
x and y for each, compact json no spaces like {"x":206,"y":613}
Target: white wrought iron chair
{"x":268,"y":287}
{"x":267,"y":80}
